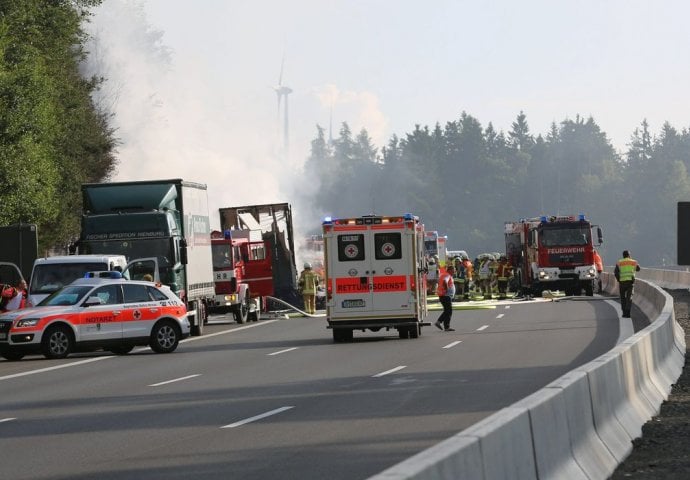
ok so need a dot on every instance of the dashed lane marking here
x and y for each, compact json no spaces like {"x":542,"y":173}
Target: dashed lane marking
{"x":258,"y":417}
{"x":282,"y":351}
{"x":483,"y":327}
{"x":452,"y":344}
{"x":392,"y":370}
{"x":174,"y":380}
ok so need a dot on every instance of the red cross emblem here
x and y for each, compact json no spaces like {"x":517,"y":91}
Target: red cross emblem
{"x":137,"y":314}
{"x":351,"y":250}
{"x":388,"y":249}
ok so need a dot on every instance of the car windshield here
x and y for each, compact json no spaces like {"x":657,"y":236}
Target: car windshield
{"x":560,"y":237}
{"x":70,"y":295}
{"x":49,"y":277}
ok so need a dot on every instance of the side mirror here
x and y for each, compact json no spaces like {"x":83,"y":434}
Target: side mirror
{"x":92,"y":301}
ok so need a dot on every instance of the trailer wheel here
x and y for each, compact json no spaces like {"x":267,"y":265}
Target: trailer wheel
{"x":403,"y":332}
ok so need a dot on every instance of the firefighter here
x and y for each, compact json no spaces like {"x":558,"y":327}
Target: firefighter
{"x":625,"y":274}
{"x":13,"y":298}
{"x":446,"y":292}
{"x":469,"y":275}
{"x":485,"y":276}
{"x":503,"y":272}
{"x":460,"y":277}
{"x":599,"y":265}
{"x":308,"y":284}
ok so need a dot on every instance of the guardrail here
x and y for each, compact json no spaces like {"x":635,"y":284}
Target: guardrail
{"x":580,"y":426}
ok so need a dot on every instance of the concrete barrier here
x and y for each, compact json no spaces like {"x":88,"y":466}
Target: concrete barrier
{"x":579,"y":426}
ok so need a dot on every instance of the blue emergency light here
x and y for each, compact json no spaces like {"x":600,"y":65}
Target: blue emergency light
{"x":582,"y":217}
{"x":227,"y":234}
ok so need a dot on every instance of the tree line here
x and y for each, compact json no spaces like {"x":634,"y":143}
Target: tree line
{"x":462,"y":178}
{"x":465,"y":180}
{"x":52,"y":136}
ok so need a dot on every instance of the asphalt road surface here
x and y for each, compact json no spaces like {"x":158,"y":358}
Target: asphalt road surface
{"x":278,"y":399}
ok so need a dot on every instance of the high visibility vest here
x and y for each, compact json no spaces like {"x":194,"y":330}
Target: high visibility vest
{"x":598,"y":263}
{"x":503,"y":271}
{"x":626,"y":269}
{"x":446,"y":286}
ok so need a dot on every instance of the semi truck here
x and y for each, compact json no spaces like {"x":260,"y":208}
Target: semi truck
{"x":375,"y":275}
{"x":270,"y":268}
{"x":163,"y":227}
{"x":553,"y":253}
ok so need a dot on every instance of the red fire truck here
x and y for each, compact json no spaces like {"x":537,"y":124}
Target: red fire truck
{"x":375,"y":275}
{"x":242,"y":274}
{"x":552,"y":253}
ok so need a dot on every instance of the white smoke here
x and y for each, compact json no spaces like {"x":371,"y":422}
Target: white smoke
{"x":176,"y":116}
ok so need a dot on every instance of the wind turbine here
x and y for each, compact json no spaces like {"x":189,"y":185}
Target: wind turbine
{"x":283,"y":91}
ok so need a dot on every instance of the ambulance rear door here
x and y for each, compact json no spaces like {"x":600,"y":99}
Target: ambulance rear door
{"x":370,"y":266}
{"x":391,"y":266}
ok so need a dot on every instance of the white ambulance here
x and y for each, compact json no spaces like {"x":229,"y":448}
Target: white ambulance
{"x":375,"y":275}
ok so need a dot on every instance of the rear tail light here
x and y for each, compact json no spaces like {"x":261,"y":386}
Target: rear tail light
{"x":329,"y":290}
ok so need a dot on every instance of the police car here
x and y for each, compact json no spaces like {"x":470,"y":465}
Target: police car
{"x":114,"y":314}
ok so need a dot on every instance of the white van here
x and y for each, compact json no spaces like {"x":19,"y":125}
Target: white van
{"x":51,"y":273}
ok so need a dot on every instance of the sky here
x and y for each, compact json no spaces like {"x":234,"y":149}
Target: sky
{"x":191,"y":84}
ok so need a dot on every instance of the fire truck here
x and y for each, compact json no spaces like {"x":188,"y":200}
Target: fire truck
{"x":552,"y":253}
{"x":375,"y":275}
{"x":242,"y":274}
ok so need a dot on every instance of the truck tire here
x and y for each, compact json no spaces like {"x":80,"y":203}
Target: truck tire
{"x":414,"y":331}
{"x":589,"y":289}
{"x":403,"y":333}
{"x":240,"y":312}
{"x":198,"y":327}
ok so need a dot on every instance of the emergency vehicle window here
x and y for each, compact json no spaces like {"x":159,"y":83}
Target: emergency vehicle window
{"x":388,"y":246}
{"x":136,"y":293}
{"x":109,"y":295}
{"x":156,"y":294}
{"x":351,"y":248}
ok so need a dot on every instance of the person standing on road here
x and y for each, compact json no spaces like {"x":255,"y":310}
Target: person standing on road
{"x":446,"y":292}
{"x":625,"y":274}
{"x":308,"y":284}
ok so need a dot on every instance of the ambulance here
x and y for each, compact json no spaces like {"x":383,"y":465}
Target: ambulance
{"x":375,"y":275}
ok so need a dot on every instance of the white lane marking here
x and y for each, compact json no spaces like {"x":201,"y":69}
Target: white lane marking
{"x":56,"y":367}
{"x":389,"y":371}
{"x":98,"y":359}
{"x":257,"y":417}
{"x":500,"y":315}
{"x":483,"y":327}
{"x":3,"y":420}
{"x":452,"y":344}
{"x":282,"y":351}
{"x":507,"y":306}
{"x":174,"y":380}
{"x":194,"y":339}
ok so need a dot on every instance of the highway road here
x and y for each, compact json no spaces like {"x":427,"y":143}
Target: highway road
{"x":278,"y":399}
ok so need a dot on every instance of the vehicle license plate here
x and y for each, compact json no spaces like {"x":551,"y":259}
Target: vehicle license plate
{"x":356,"y":303}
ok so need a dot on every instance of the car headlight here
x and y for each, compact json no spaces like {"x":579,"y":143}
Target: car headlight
{"x":542,"y":274}
{"x":28,"y":322}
